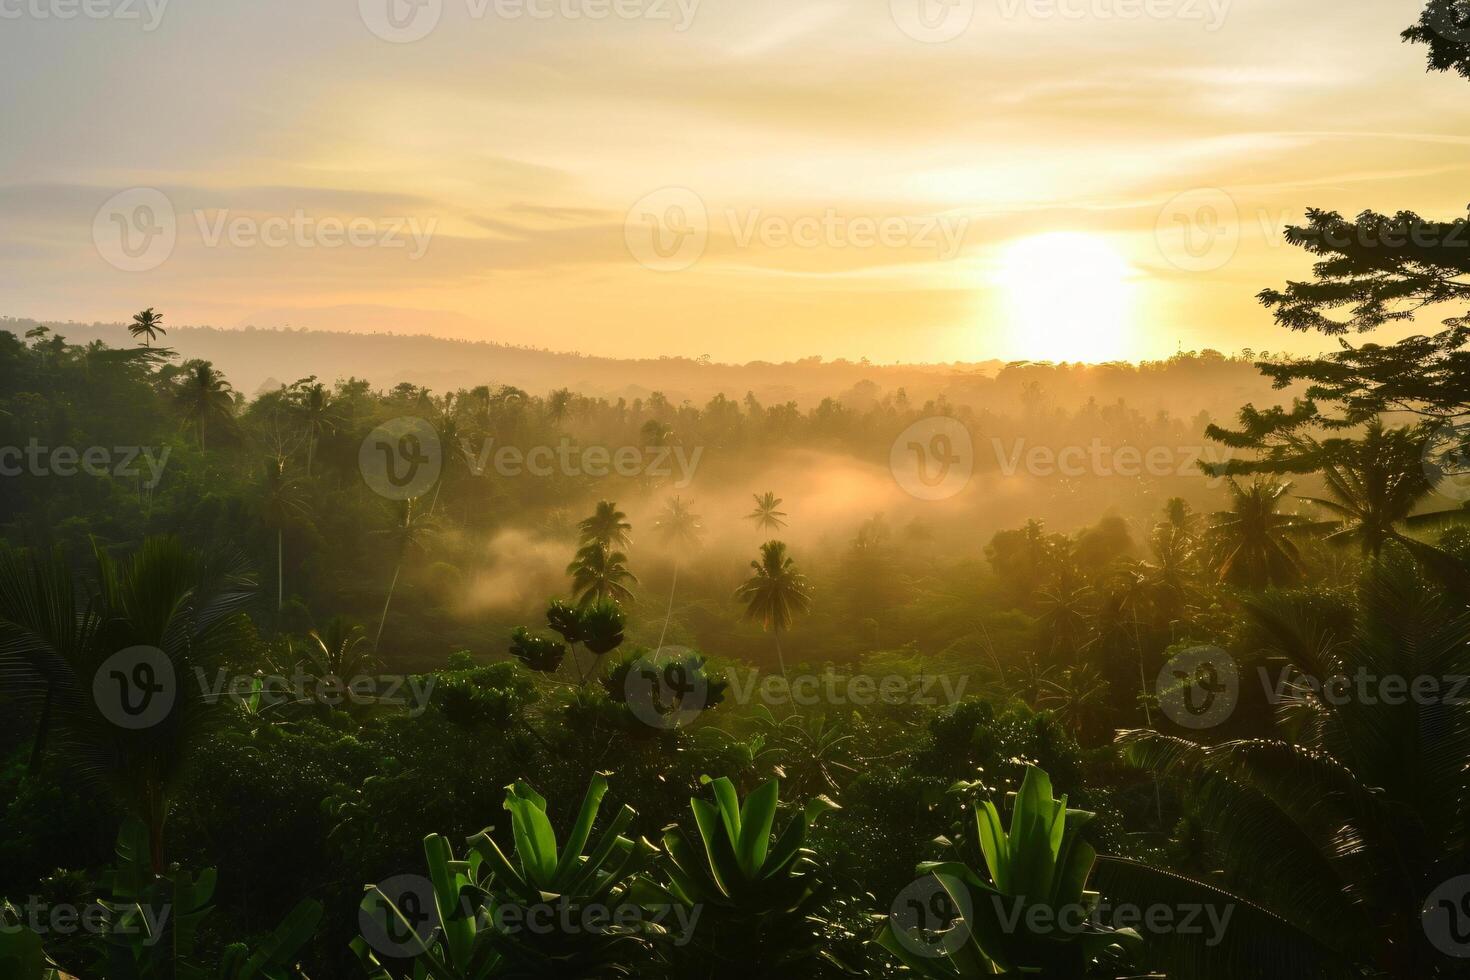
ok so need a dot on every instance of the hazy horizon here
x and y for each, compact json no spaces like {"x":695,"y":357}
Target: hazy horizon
{"x":255,"y":360}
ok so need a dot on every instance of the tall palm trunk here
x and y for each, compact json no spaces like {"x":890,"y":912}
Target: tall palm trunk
{"x":780,"y":660}
{"x":377,"y":641}
{"x":155,"y":808}
{"x":670,"y":613}
{"x":581,"y":674}
{"x":1148,"y":715}
{"x":43,"y":726}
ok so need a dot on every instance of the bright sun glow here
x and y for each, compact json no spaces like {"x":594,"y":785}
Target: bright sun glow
{"x":1068,"y":297}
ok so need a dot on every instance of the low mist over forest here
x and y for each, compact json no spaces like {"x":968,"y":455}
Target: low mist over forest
{"x":1068,"y":445}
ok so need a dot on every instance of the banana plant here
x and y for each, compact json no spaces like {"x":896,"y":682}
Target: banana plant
{"x":507,"y":916}
{"x":139,"y":954}
{"x":151,"y":927}
{"x":21,"y":954}
{"x":757,"y":894}
{"x":1034,"y":916}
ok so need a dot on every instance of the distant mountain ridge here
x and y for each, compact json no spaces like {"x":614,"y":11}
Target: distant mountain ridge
{"x":251,"y":356}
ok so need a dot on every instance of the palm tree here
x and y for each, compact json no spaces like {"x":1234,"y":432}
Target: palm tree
{"x":319,"y":416}
{"x":179,"y":609}
{"x":147,"y":325}
{"x":1171,"y":573}
{"x":1179,"y":516}
{"x":599,"y":573}
{"x":1065,"y":611}
{"x":1342,"y":831}
{"x":454,"y":455}
{"x":1375,"y":483}
{"x":1252,"y":541}
{"x":679,"y":528}
{"x":814,"y":752}
{"x":204,"y":396}
{"x":558,"y":404}
{"x":1029,"y":681}
{"x":339,"y":650}
{"x":1079,"y":698}
{"x":607,"y":526}
{"x":281,"y":501}
{"x":1128,"y":595}
{"x":776,"y":593}
{"x":766,"y":515}
{"x":407,"y":534}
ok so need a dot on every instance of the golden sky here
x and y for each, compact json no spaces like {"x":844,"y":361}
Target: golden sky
{"x":914,"y":180}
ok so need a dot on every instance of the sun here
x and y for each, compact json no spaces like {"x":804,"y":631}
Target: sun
{"x":1068,"y":297}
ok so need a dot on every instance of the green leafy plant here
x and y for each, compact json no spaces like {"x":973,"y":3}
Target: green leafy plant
{"x":57,"y":631}
{"x":21,"y":954}
{"x":1041,"y":860}
{"x":505,"y":916}
{"x":540,"y":653}
{"x":758,"y":895}
{"x":683,"y":677}
{"x":598,"y":626}
{"x":151,"y":924}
